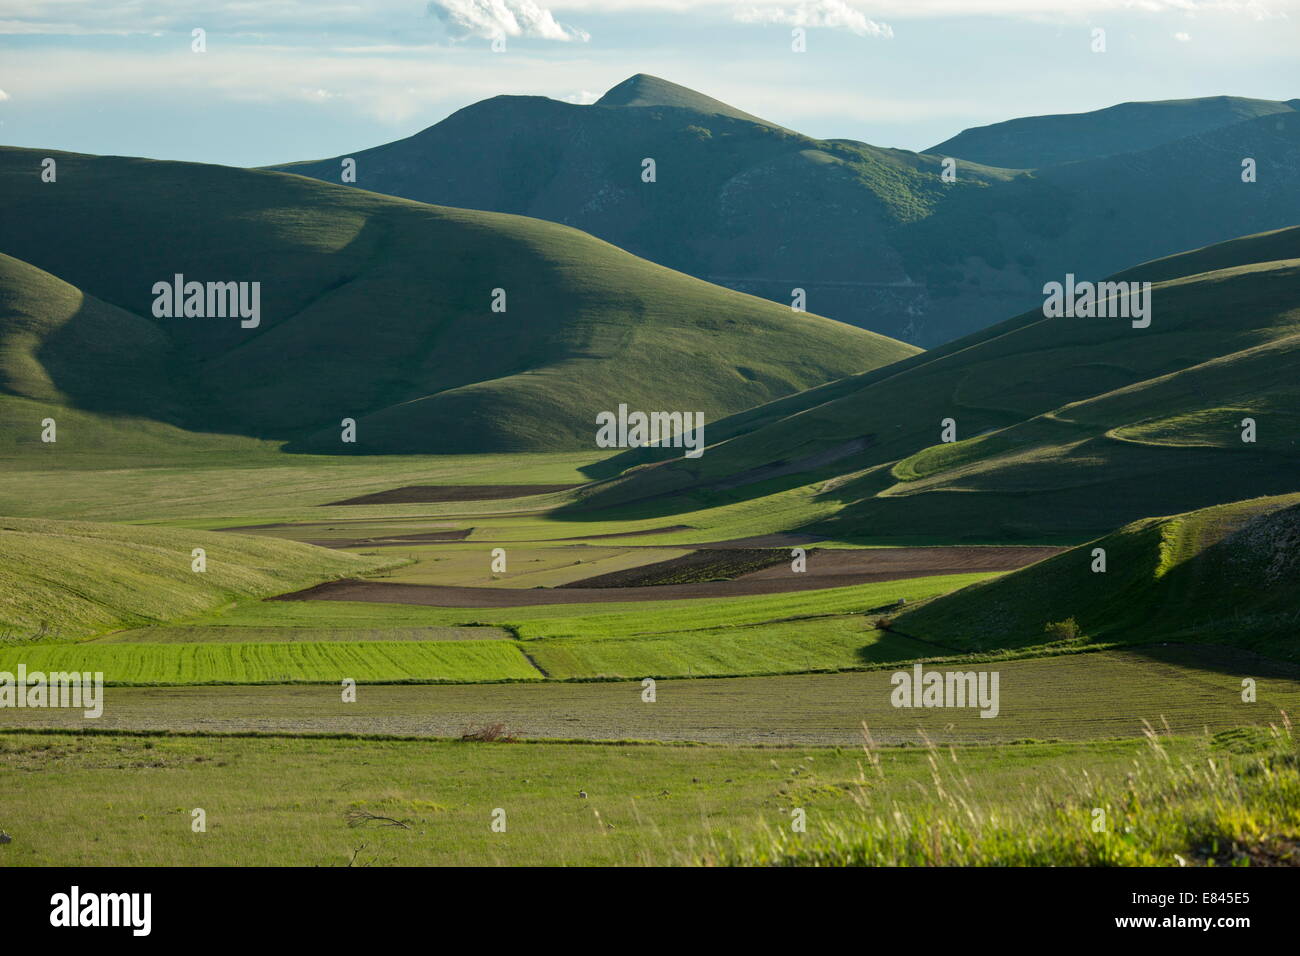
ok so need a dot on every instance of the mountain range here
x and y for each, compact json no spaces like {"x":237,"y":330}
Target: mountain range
{"x":875,"y":237}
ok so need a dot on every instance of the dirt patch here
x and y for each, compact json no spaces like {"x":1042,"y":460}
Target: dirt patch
{"x":781,"y":539}
{"x":826,"y":569}
{"x":424,"y":494}
{"x":429,"y":595}
{"x":391,"y":541}
{"x":696,"y":567}
{"x":630,"y":534}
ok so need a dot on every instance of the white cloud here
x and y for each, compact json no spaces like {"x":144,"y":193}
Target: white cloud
{"x":582,"y":98}
{"x":835,"y":14}
{"x":1183,"y":37}
{"x":3,"y":96}
{"x":391,"y":89}
{"x":512,"y":18}
{"x":394,"y":21}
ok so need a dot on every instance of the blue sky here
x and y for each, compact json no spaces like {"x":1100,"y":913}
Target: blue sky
{"x":293,"y":79}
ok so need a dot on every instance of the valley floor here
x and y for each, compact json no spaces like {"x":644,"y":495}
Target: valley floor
{"x":493,"y":620}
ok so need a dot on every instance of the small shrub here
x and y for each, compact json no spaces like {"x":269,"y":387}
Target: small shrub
{"x":1067,"y":630}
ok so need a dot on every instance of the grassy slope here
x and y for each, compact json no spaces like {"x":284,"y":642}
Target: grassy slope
{"x":388,"y":302}
{"x":128,"y":473}
{"x":59,"y":346}
{"x":64,"y":580}
{"x":1220,"y":575}
{"x":1064,"y":424}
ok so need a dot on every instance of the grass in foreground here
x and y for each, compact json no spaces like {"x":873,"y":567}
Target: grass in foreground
{"x":1233,"y":802}
{"x":127,"y":801}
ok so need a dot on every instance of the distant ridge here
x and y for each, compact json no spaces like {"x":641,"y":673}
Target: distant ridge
{"x":1031,"y":142}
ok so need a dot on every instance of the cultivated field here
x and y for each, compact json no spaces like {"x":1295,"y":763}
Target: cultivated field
{"x":775,"y":685}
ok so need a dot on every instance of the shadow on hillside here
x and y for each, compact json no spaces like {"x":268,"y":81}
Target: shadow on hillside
{"x":111,"y":362}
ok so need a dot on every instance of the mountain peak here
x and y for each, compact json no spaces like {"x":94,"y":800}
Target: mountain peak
{"x":643,"y":89}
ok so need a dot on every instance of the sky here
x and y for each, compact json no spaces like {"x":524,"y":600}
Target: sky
{"x":288,"y":80}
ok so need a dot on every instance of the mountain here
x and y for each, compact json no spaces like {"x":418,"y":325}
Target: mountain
{"x":1064,"y":426}
{"x":736,"y":200}
{"x":646,"y":90}
{"x":371,"y":308}
{"x":1031,"y":142}
{"x":875,"y":237}
{"x":1221,"y":574}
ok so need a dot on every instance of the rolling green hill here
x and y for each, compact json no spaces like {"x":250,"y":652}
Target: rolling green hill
{"x":372,"y":308}
{"x":1064,"y":426}
{"x":1225,"y":574}
{"x":69,"y":579}
{"x":1031,"y":142}
{"x":62,"y":347}
{"x":874,"y":236}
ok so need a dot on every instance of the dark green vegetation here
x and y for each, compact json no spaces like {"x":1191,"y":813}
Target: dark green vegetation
{"x":1066,"y":426}
{"x":873,"y":235}
{"x":1228,"y":574}
{"x":372,"y":308}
